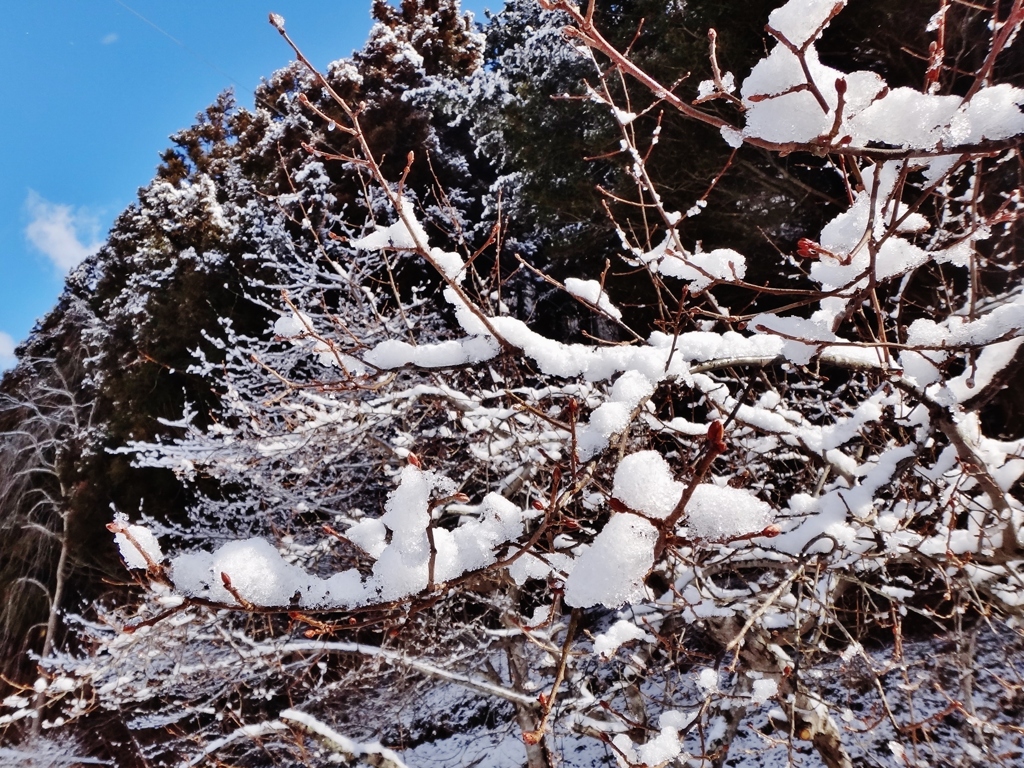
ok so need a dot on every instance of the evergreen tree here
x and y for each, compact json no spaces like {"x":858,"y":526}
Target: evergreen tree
{"x":198,"y":262}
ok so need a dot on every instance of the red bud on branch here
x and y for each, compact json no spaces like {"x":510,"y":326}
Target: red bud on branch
{"x":807,"y":249}
{"x":716,"y":433}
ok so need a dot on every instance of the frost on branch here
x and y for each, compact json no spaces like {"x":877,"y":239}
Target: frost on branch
{"x":409,"y":556}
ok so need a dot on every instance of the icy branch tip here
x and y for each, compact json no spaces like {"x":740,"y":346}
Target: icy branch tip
{"x":277,"y":21}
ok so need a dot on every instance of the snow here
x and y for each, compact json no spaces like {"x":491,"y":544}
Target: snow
{"x":617,"y":635}
{"x":613,"y":416}
{"x":298,"y":328}
{"x":262,"y":576}
{"x":295,"y":324}
{"x":553,"y":357}
{"x":763,"y":690}
{"x":663,"y":748}
{"x":795,"y":332}
{"x":402,"y":568}
{"x":256,"y":570}
{"x":781,"y":108}
{"x":370,"y":535}
{"x":992,"y":358}
{"x":591,"y":292}
{"x":644,"y":482}
{"x":623,"y":118}
{"x":612,"y":570}
{"x":405,"y":234}
{"x":659,"y":750}
{"x":349,"y":748}
{"x":532,"y":567}
{"x":708,"y":680}
{"x":718,"y":513}
{"x":143,"y":538}
{"x":1004,"y":322}
{"x":700,"y":269}
{"x":832,"y":457}
{"x":802,"y":20}
{"x":993,"y":113}
{"x":472,"y":545}
{"x":708,"y":88}
{"x":731,"y":136}
{"x":906,"y":117}
{"x":451,"y":264}
{"x":393,"y":353}
{"x":776,"y":113}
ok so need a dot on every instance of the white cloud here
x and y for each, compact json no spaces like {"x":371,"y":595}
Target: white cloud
{"x":65,"y":234}
{"x":7,"y":359}
{"x":110,"y":38}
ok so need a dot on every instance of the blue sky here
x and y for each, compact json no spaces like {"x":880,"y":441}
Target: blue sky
{"x":92,"y":91}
